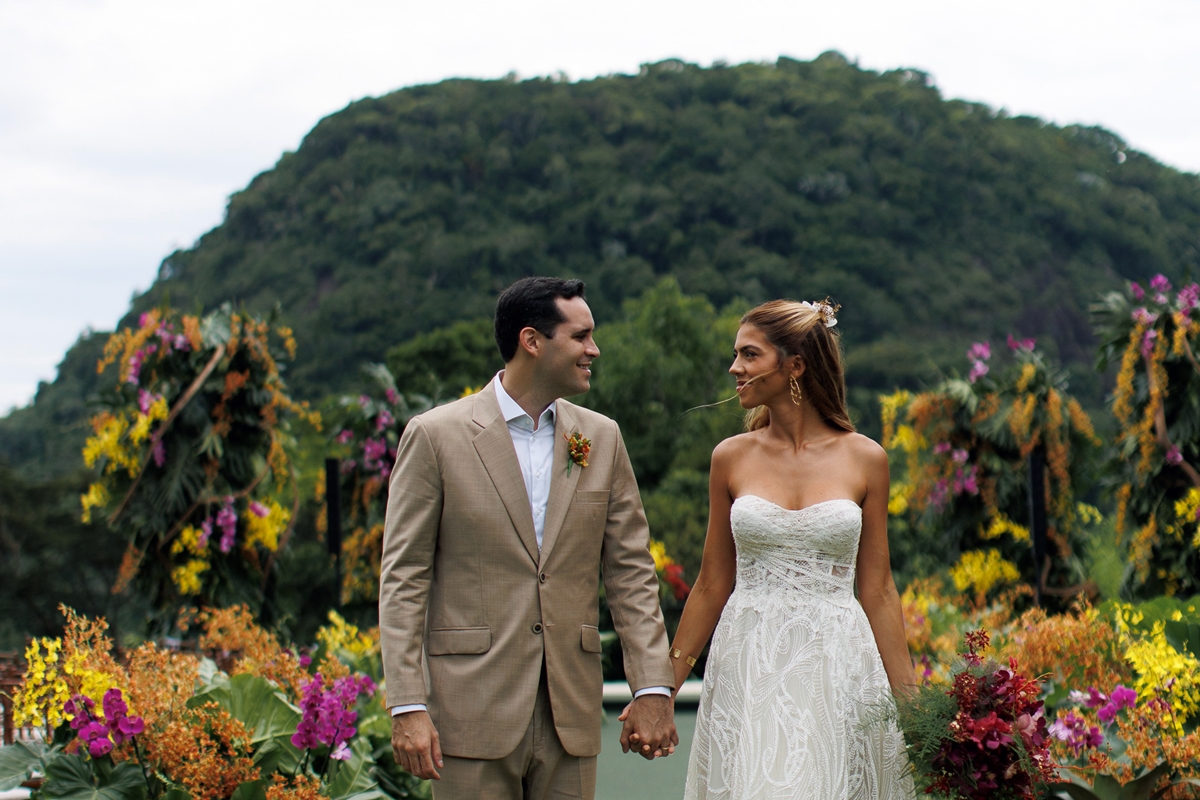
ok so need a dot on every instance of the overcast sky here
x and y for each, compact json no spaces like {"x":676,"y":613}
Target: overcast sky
{"x":126,"y":124}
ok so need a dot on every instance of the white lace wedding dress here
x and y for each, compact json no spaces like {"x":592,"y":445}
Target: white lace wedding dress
{"x":794,"y":685}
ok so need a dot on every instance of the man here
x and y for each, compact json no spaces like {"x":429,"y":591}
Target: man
{"x":504,"y":508}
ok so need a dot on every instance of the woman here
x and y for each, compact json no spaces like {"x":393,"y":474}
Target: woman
{"x":799,"y":670}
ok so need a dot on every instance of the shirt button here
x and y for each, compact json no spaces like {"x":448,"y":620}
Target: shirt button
{"x":537,"y":627}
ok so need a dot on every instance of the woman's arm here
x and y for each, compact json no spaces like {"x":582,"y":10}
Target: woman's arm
{"x":876,"y":589}
{"x":718,"y":567}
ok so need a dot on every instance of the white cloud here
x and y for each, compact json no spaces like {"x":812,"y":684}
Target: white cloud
{"x":125,"y":124}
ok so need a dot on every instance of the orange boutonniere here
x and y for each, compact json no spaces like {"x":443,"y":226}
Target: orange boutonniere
{"x":578,"y":450}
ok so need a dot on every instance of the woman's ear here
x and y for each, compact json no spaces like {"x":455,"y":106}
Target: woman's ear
{"x":796,"y":367}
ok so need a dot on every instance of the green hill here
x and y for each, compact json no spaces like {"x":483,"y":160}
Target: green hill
{"x":933,"y":221}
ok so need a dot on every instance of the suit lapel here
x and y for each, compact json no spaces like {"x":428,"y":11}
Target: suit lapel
{"x":495,"y":448}
{"x":562,"y":486}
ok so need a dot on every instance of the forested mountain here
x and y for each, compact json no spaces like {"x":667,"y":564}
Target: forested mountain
{"x":933,"y":221}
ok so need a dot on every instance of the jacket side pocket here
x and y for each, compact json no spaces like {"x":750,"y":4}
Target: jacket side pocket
{"x":590,"y":639}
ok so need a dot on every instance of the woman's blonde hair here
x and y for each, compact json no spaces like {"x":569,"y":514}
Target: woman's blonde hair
{"x":799,"y":329}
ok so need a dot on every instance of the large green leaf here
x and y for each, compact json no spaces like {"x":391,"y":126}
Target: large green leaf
{"x":1142,"y":788}
{"x":354,"y":780}
{"x":18,"y":760}
{"x":251,"y":790}
{"x":1184,"y":636}
{"x":70,"y":777}
{"x":262,"y":708}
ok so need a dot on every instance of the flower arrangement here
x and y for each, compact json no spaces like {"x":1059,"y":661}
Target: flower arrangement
{"x":244,"y":715}
{"x":192,"y":453}
{"x":365,"y":432}
{"x":962,"y":450}
{"x":1152,"y":334}
{"x":578,"y":450}
{"x":984,"y":737}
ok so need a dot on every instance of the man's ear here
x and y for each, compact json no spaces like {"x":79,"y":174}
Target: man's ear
{"x":530,"y":341}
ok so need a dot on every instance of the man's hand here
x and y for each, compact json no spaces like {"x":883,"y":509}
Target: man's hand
{"x":415,"y":744}
{"x":649,"y":728}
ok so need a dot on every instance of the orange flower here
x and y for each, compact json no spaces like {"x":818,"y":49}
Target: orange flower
{"x":206,"y":750}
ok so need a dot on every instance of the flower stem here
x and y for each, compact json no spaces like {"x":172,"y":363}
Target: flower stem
{"x":141,"y":764}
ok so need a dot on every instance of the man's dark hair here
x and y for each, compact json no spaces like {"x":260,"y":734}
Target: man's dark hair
{"x":531,"y":303}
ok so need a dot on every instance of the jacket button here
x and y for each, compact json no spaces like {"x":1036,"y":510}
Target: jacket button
{"x":542,"y":577}
{"x":537,"y":627}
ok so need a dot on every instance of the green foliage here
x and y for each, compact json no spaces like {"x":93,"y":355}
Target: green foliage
{"x":71,"y":777}
{"x":1106,"y":787}
{"x":40,"y":540}
{"x":20,"y":760}
{"x":268,"y":716}
{"x":445,"y":361}
{"x":666,"y":356}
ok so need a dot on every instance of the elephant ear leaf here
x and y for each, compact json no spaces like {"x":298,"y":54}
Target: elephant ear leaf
{"x":1071,"y":791}
{"x":1183,"y":636}
{"x":354,"y":780}
{"x":69,"y":777}
{"x":19,"y":760}
{"x":1142,"y":788}
{"x":268,"y":716}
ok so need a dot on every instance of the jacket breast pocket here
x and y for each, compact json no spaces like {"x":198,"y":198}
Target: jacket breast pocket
{"x":592,"y":497}
{"x":458,"y":641}
{"x":590,"y":639}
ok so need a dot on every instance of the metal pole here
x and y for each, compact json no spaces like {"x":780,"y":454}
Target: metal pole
{"x":333,"y":519}
{"x":1037,"y":518}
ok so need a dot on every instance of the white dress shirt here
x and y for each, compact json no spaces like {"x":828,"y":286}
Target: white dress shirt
{"x":534,"y":444}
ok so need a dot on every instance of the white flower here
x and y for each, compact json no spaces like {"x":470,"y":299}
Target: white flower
{"x":825,"y":311}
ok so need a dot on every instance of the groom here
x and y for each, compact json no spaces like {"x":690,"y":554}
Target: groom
{"x":497,"y":530}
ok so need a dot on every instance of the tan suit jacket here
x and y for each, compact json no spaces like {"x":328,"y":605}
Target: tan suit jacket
{"x":469,"y":609}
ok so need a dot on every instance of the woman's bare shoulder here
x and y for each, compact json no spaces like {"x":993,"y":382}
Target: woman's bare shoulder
{"x":734,"y":447}
{"x":865,"y":448}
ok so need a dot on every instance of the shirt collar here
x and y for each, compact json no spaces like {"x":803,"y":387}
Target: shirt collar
{"x":512,"y":411}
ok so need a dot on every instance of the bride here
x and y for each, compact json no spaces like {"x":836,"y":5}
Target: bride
{"x":799,"y":668}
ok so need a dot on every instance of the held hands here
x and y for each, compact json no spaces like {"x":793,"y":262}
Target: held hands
{"x":649,"y":728}
{"x":415,"y":744}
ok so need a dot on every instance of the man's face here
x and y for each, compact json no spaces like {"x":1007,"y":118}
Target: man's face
{"x":565,"y":365}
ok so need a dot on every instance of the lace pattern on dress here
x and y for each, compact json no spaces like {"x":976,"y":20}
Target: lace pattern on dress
{"x":793,"y":674}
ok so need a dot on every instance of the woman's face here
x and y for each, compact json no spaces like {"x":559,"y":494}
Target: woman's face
{"x":756,"y":368}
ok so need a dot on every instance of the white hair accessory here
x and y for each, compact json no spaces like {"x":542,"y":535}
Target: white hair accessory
{"x":825,"y":309}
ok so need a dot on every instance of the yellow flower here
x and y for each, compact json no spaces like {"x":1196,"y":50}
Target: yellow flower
{"x":188,"y":541}
{"x":890,"y":405}
{"x":141,"y":427}
{"x":898,"y":497}
{"x":1088,"y":514}
{"x":659,"y":551}
{"x":1164,"y":670}
{"x":107,"y":443}
{"x":907,"y":439}
{"x":1001,"y":525}
{"x":341,"y":635}
{"x":43,"y":692}
{"x":265,"y":530}
{"x":984,"y":570}
{"x":187,"y":577}
{"x":96,"y":497}
{"x":1028,"y":373}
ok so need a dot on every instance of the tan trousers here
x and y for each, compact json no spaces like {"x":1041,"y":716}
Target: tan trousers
{"x":539,"y":769}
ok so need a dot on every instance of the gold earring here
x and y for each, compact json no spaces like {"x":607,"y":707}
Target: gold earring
{"x":794,"y":387}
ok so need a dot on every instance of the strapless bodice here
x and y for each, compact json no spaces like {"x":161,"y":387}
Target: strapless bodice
{"x":797,"y":555}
